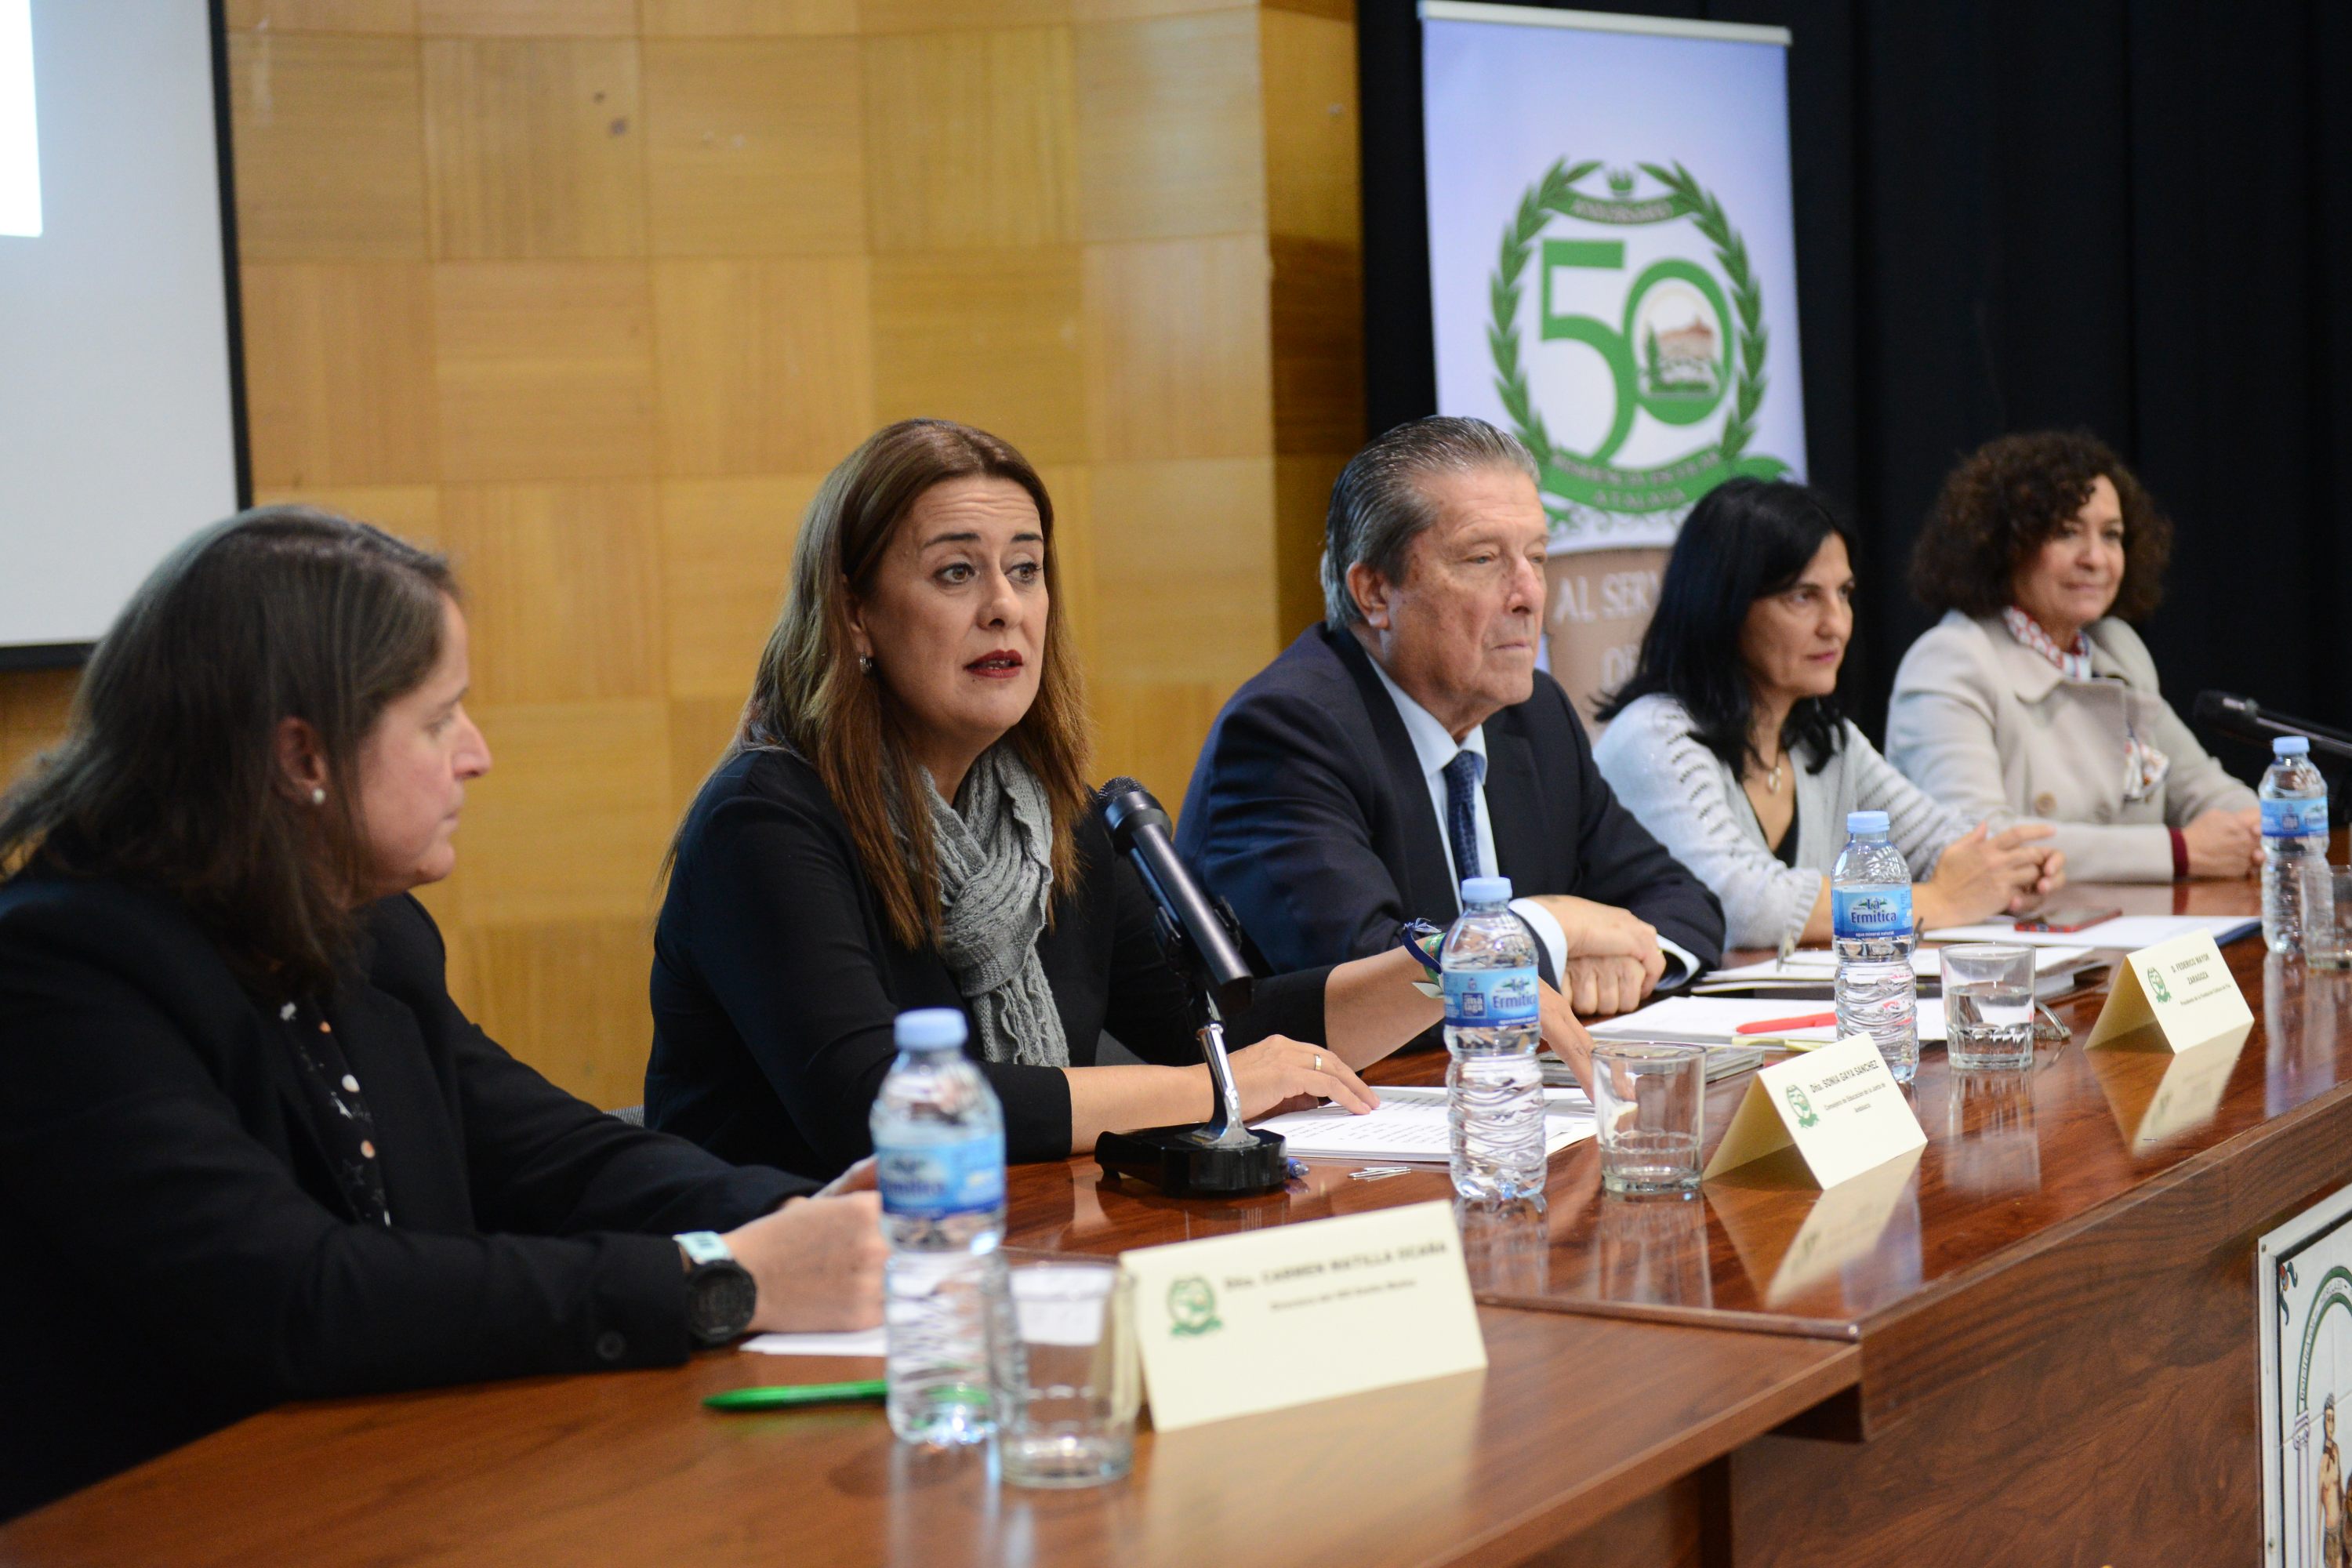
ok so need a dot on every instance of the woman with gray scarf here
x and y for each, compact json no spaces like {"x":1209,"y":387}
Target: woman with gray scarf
{"x":903,"y":820}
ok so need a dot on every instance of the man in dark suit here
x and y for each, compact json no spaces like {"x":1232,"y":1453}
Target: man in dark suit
{"x":1409,"y":741}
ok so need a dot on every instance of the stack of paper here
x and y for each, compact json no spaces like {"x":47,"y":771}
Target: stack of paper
{"x":1715,"y":1021}
{"x":1812,"y":971}
{"x":1410,"y":1123}
{"x":2128,"y":932}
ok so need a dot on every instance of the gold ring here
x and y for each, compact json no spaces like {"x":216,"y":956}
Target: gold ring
{"x":1319,"y":1061}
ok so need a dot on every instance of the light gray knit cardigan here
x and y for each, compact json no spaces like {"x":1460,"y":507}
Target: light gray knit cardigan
{"x":1691,"y":802}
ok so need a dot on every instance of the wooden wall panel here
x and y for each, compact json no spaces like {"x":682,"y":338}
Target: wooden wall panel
{"x":1167,"y":141}
{"x":1177,"y":356}
{"x":330,"y":148}
{"x":1313,"y":184}
{"x":514,"y":18}
{"x":727,"y":549}
{"x":592,"y":293}
{"x":755,"y":147}
{"x":545,"y":369}
{"x":746,"y":18}
{"x":563,"y":588}
{"x":339,"y":372}
{"x":991,"y":338}
{"x":764,"y":365}
{"x":534,"y":147}
{"x":971,"y":139}
{"x":324,"y":15}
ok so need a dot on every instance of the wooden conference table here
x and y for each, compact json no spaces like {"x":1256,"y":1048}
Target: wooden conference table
{"x":2035,"y":1345}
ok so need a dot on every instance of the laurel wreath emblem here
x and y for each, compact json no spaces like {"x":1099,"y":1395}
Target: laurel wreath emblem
{"x":1551,"y":196}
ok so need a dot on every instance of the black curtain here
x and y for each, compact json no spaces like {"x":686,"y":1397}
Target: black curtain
{"x":2133,"y":217}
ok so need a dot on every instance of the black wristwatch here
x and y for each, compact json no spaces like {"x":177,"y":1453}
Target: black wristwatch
{"x":720,"y":1293}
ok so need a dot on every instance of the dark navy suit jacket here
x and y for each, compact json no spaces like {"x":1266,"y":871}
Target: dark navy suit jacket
{"x":1308,"y":813}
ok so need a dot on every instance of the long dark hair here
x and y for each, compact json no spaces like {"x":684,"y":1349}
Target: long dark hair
{"x":810,"y":695}
{"x":169,"y":776}
{"x":1745,"y":540}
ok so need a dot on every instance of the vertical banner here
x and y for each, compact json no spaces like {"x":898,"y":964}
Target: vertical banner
{"x":1613,"y":272}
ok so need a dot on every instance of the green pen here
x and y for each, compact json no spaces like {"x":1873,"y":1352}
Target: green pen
{"x":787,"y":1395}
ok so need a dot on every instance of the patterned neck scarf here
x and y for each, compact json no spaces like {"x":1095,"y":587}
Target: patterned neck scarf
{"x":2073,"y":661}
{"x":996,"y":878}
{"x":2144,"y":767}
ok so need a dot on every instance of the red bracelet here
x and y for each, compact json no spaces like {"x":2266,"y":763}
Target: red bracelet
{"x":2180,"y":855}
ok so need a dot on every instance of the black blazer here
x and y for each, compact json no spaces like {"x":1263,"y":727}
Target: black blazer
{"x":776,"y":979}
{"x":178,"y":1254}
{"x":1309,"y":813}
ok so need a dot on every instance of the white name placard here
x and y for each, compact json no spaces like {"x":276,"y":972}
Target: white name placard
{"x":1237,"y":1324}
{"x":2183,"y":987}
{"x":1839,"y":1106}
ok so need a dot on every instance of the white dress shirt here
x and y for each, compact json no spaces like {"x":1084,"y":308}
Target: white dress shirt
{"x":1434,"y":747}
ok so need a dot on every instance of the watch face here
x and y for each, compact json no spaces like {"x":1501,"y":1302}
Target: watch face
{"x":720,"y":1302}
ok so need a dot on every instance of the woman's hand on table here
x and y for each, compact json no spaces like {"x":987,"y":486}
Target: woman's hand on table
{"x":1279,"y":1074}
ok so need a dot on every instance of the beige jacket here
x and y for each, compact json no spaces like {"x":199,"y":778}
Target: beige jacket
{"x":1987,"y":725}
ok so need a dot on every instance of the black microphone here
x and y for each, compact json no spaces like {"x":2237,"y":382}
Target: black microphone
{"x":1139,"y":830}
{"x":2244,"y":718}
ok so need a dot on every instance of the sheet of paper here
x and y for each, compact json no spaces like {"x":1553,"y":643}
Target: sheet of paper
{"x":1230,"y":1325}
{"x":2125,"y":932}
{"x":1840,"y":1107}
{"x":1810,"y":968}
{"x":852,"y":1342}
{"x":1716,"y":1020}
{"x":2184,"y":987}
{"x":1410,"y":1124}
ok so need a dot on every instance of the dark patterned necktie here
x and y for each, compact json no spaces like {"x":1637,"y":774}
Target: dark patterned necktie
{"x":1462,"y":777}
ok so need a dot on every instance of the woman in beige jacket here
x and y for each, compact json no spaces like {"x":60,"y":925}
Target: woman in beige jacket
{"x":2032,"y":697}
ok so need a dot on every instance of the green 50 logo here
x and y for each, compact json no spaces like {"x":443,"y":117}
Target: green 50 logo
{"x":1688,"y":342}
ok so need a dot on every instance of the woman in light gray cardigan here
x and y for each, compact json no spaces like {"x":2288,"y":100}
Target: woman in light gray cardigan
{"x":1728,"y":746}
{"x":2033,"y":696}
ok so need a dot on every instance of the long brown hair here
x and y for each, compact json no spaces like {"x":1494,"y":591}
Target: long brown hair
{"x":810,"y":694}
{"x":168,"y":774}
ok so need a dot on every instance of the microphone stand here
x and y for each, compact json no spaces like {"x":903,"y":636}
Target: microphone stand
{"x":1222,"y":1157}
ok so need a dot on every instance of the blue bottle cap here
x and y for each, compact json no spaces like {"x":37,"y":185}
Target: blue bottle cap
{"x":931,"y":1028}
{"x":1486,"y":891}
{"x":1865,"y":822}
{"x":2291,"y":746}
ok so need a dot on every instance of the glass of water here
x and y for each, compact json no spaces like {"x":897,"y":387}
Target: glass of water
{"x":1651,"y":1099}
{"x":2327,"y":935}
{"x":1071,"y":1385}
{"x":1988,"y":1005}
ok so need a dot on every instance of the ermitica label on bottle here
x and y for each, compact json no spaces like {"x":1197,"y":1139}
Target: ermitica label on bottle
{"x":935,"y":1181}
{"x":2295,"y":818}
{"x":1481,"y":998}
{"x":1871,"y":912}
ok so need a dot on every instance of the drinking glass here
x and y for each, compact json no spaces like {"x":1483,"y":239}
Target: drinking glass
{"x":1988,"y":1005}
{"x":1071,"y":1385}
{"x":2327,"y":935}
{"x":1650,"y":1098}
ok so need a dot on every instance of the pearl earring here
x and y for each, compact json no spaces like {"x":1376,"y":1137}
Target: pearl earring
{"x":317,"y":797}
{"x":864,"y":664}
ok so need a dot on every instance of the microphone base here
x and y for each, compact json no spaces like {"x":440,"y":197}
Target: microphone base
{"x":1178,"y":1161}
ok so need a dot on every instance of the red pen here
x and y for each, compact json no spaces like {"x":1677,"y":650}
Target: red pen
{"x":1773,"y":1025}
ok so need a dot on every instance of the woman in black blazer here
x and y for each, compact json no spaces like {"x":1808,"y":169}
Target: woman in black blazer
{"x":903,"y":821}
{"x":249,"y":1148}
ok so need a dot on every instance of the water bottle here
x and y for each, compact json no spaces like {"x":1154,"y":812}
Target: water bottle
{"x":939,"y":1145}
{"x":2296,"y":894}
{"x":1870,"y":923}
{"x":1494,"y":1089}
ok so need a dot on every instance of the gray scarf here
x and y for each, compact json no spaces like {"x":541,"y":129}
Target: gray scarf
{"x":996,"y":877}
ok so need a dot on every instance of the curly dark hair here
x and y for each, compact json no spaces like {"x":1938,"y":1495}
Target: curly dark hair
{"x":2009,"y":495}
